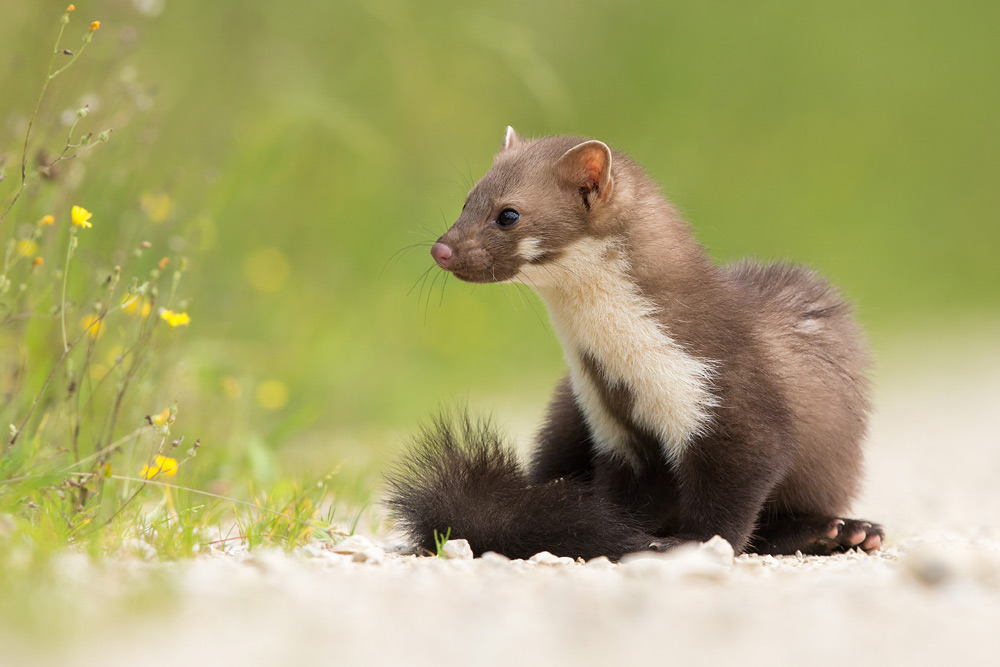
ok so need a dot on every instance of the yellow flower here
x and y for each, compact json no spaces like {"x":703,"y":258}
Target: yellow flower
{"x":175,"y":319}
{"x":26,"y":248}
{"x":161,"y":418}
{"x":81,"y":217}
{"x":163,"y":465}
{"x":96,"y":25}
{"x":38,"y":261}
{"x":156,"y":205}
{"x":267,"y":269}
{"x":71,"y":8}
{"x":48,"y":220}
{"x":271,"y":394}
{"x":130,"y":304}
{"x":93,"y":325}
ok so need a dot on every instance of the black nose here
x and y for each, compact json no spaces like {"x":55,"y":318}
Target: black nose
{"x":441,"y":254}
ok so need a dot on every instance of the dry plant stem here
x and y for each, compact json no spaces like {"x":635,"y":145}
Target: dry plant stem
{"x":82,"y":147}
{"x":122,"y":386}
{"x":75,"y":385}
{"x":145,"y":334}
{"x":130,"y":374}
{"x":94,"y":327}
{"x":31,"y":121}
{"x":41,"y":392}
{"x":62,"y":303}
{"x":11,"y":318}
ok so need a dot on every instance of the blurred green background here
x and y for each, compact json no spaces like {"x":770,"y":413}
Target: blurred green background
{"x":290,"y":149}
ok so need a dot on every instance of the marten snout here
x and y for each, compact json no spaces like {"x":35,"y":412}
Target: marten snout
{"x":442,"y":253}
{"x":482,"y":258}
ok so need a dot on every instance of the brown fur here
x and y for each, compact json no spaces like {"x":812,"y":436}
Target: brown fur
{"x":777,"y":459}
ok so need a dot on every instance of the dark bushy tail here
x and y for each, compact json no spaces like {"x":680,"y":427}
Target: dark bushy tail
{"x":461,"y":476}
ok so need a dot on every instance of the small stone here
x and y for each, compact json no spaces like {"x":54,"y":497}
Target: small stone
{"x":711,"y":560}
{"x":373,"y":555}
{"x":545,"y":558}
{"x":931,"y":565}
{"x":494,"y":557}
{"x":647,"y":565}
{"x":600,"y":563}
{"x":267,"y":560}
{"x":717,"y":550}
{"x":931,"y":572}
{"x":457,"y":550}
{"x":312,"y":551}
{"x":352,"y":545}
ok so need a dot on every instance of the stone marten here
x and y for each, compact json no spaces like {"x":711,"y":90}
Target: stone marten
{"x":700,"y":400}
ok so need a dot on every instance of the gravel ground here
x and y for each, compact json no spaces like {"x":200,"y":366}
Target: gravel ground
{"x":933,"y":595}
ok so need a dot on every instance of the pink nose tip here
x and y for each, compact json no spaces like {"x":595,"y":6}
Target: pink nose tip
{"x":441,"y":254}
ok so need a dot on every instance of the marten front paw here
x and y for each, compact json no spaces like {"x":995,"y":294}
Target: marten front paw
{"x":846,"y":534}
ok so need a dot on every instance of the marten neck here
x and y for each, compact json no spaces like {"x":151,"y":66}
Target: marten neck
{"x":631,"y":376}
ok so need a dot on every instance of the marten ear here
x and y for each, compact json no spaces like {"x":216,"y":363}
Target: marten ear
{"x":587,"y":168}
{"x":510,"y":139}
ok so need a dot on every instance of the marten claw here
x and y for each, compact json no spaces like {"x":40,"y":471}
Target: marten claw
{"x":847,"y":534}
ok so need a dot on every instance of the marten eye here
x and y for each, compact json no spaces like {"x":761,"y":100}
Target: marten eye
{"x":508,"y":218}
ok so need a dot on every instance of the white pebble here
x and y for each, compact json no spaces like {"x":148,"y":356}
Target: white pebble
{"x":494,"y":557}
{"x":718,"y":551}
{"x":546,"y":558}
{"x":352,"y":544}
{"x":711,"y":560}
{"x":373,"y":555}
{"x":457,"y":550}
{"x":600,"y":563}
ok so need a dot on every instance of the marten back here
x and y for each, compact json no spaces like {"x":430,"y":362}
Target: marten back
{"x":822,"y":360}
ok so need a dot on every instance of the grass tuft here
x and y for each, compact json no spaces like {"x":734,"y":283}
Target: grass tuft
{"x":93,"y":315}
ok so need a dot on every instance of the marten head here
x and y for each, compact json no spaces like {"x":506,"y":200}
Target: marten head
{"x":538,"y":198}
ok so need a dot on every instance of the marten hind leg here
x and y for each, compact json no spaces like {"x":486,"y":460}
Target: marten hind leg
{"x":814,"y":535}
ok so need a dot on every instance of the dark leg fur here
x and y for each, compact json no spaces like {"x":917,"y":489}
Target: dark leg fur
{"x":564,"y":447}
{"x":815,"y":535}
{"x":460,"y":476}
